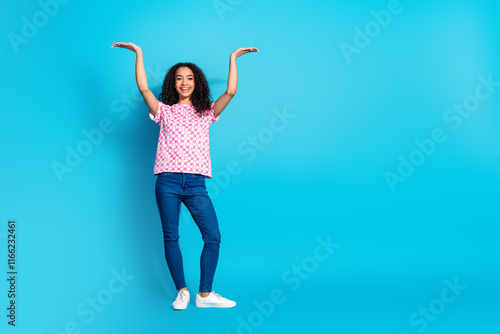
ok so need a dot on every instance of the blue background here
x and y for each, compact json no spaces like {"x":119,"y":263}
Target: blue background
{"x":321,"y":175}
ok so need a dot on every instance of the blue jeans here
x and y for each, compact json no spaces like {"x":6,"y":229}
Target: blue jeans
{"x":172,"y":189}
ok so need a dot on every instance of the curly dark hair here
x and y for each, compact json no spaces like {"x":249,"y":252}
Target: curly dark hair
{"x":200,"y":97}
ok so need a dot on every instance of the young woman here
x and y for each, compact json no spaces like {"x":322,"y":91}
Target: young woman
{"x":184,"y":114}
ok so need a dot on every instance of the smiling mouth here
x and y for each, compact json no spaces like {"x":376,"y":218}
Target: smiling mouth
{"x":185,"y":90}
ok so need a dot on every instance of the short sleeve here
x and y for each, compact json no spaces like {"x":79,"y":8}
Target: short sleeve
{"x":163,"y":109}
{"x":212,"y":118}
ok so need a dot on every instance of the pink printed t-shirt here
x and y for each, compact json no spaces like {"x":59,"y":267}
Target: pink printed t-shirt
{"x":183,"y":143}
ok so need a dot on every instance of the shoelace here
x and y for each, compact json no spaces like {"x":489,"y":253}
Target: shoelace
{"x":181,"y":296}
{"x":218,"y":296}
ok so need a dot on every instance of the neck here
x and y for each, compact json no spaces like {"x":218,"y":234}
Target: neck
{"x":186,"y":100}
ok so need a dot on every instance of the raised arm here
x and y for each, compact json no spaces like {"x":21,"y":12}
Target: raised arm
{"x":140,"y":76}
{"x":232,"y":82}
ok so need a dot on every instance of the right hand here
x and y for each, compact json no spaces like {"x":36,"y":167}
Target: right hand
{"x":241,"y":51}
{"x":130,"y":46}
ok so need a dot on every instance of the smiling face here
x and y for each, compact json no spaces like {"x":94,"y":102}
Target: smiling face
{"x":184,"y":83}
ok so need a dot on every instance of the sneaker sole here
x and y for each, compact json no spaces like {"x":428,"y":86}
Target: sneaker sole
{"x":214,"y":305}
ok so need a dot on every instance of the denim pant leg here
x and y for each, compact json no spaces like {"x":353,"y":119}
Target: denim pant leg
{"x":199,"y":204}
{"x":169,"y":201}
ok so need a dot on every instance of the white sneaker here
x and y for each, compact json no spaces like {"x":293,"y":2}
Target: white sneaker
{"x":181,"y":301}
{"x":213,"y":300}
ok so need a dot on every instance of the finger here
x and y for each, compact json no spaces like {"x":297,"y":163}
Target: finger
{"x":122,"y":45}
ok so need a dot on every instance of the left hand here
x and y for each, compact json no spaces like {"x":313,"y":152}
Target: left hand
{"x":241,"y":51}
